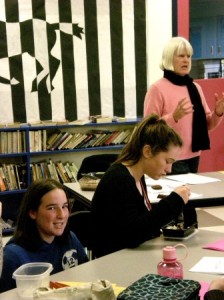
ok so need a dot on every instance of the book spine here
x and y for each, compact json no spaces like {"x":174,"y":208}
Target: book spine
{"x":62,"y":172}
{"x":36,"y":140}
{"x":22,"y":172}
{"x":78,"y":141}
{"x":33,"y":171}
{"x":62,"y":139}
{"x":17,"y":176}
{"x":2,"y":183}
{"x":63,"y":144}
{"x":14,"y":142}
{"x":105,"y":138}
{"x":66,"y":167}
{"x":45,"y":170}
{"x":74,"y":171}
{"x":31,"y":138}
{"x":111,"y":138}
{"x":52,"y":139}
{"x":85,"y":141}
{"x":79,"y":145}
{"x":10,"y":142}
{"x":8,"y":177}
{"x":54,"y":169}
{"x":13,"y":177}
{"x":75,"y":136}
{"x":44,"y":140}
{"x":19,"y":141}
{"x":58,"y":141}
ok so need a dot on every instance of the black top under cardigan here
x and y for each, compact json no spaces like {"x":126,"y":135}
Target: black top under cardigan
{"x":120,"y":218}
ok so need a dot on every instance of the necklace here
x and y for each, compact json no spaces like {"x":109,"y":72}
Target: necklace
{"x":137,"y":182}
{"x":141,"y":189}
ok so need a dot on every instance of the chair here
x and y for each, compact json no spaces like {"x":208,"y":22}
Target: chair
{"x":96,"y":163}
{"x":80,"y":224}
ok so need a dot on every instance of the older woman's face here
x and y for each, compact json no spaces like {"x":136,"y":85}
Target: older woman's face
{"x":182,"y":63}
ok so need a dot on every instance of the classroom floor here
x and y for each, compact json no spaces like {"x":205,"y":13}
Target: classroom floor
{"x":211,"y":218}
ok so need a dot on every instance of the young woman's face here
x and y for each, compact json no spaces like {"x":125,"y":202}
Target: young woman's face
{"x":182,"y":63}
{"x":52,"y":215}
{"x":160,"y":164}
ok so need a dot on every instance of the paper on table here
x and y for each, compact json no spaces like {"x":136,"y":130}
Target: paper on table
{"x":191,"y":178}
{"x":207,"y":264}
{"x":167,"y":186}
{"x":218,"y":245}
{"x":155,"y":197}
{"x":162,"y":181}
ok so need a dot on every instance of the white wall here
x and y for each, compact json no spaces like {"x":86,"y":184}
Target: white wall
{"x":159,"y":15}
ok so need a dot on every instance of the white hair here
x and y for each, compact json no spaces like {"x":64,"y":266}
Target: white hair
{"x":175,"y":45}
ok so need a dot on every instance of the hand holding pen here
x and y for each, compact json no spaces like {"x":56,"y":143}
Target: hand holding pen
{"x":184,"y":192}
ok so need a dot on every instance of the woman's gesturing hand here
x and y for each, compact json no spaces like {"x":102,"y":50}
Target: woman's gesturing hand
{"x":183,"y":108}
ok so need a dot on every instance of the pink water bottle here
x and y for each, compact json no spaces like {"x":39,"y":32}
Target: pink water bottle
{"x":170,"y":266}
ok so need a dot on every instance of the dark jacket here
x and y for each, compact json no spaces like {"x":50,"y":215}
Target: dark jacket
{"x":120,"y":218}
{"x":60,"y":256}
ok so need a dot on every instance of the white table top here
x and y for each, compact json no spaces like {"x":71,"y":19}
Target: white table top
{"x":209,"y":194}
{"x":126,"y":266}
{"x":75,"y":186}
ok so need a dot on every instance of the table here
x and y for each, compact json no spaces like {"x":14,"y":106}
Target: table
{"x":84,"y":197}
{"x":126,"y":266}
{"x":212,"y":193}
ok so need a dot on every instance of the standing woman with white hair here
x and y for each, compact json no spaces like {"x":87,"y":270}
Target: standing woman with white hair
{"x":180,"y":101}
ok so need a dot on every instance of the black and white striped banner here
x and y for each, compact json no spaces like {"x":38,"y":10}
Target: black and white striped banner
{"x":68,"y":59}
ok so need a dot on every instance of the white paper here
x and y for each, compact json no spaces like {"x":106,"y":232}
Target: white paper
{"x":153,"y":197}
{"x":207,"y":264}
{"x":191,"y":178}
{"x":167,"y":186}
{"x":164,"y":182}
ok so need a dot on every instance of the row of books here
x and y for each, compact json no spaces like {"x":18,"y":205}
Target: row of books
{"x":12,"y":142}
{"x":60,"y":171}
{"x":38,"y":140}
{"x":94,"y":138}
{"x":13,"y":177}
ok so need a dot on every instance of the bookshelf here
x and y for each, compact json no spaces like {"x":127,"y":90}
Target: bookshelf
{"x":29,"y":152}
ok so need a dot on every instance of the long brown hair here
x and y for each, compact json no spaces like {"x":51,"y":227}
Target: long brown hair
{"x":26,"y":233}
{"x":152,"y":131}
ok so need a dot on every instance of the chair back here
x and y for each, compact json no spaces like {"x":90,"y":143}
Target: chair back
{"x":96,"y":163}
{"x":80,"y":224}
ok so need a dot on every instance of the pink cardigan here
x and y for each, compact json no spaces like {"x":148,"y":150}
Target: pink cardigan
{"x":162,"y":99}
